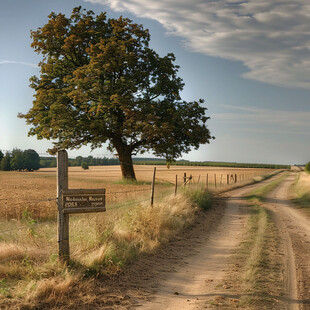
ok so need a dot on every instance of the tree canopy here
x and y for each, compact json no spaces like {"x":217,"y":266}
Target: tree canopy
{"x":100,"y":82}
{"x":20,"y":160}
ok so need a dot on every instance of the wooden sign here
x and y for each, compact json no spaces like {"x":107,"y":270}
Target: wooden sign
{"x":83,"y":200}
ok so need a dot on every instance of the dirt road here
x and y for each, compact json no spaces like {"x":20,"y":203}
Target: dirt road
{"x":192,"y":285}
{"x":294,"y":230}
{"x":199,"y":282}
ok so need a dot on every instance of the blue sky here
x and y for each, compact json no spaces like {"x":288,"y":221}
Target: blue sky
{"x":249,"y":60}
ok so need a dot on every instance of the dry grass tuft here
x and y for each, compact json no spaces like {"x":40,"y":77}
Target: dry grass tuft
{"x":157,"y":224}
{"x":8,"y":251}
{"x":11,"y":251}
{"x":52,"y":290}
{"x":142,"y":229}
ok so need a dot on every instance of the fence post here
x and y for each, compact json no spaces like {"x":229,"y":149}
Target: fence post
{"x":198,"y":179}
{"x":176,"y":184}
{"x":184,"y":178}
{"x":190,"y":179}
{"x":153,"y":186}
{"x":236,"y":178}
{"x":215,"y":180}
{"x":63,"y":219}
{"x":221,"y":180}
{"x":227,"y":179}
{"x":207,"y":181}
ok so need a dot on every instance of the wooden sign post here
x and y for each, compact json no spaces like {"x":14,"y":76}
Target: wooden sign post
{"x":72,"y":201}
{"x":63,"y":219}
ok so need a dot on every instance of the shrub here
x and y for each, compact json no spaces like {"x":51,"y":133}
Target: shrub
{"x":85,"y":165}
{"x":199,"y":196}
{"x":307,"y":167}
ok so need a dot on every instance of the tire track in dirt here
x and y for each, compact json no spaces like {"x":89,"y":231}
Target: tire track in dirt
{"x":201,"y":281}
{"x":294,"y":232}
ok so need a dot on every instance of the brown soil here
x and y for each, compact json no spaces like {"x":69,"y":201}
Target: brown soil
{"x":294,"y":228}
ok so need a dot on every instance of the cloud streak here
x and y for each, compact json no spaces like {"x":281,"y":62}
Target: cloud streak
{"x":4,"y":62}
{"x":265,"y":120}
{"x":271,"y":38}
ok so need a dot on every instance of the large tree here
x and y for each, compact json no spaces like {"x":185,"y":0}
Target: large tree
{"x":31,"y":160}
{"x":6,"y":162}
{"x":18,"y":160}
{"x":100,"y":82}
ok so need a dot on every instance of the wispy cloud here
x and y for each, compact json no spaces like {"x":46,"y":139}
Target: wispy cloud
{"x":265,"y":120}
{"x":4,"y":62}
{"x":271,"y":38}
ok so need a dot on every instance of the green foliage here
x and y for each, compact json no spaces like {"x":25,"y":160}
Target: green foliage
{"x":84,"y":165}
{"x":307,"y":167}
{"x":31,"y":160}
{"x":199,"y":196}
{"x":1,"y":156}
{"x":46,"y":162}
{"x":6,"y":162}
{"x":17,"y":161}
{"x":100,"y":82}
{"x":154,"y":161}
{"x":20,"y":160}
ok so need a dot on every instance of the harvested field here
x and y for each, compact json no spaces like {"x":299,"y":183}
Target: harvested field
{"x":35,"y":192}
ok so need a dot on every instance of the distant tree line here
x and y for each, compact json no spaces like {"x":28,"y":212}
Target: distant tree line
{"x":80,"y":161}
{"x":208,"y":164}
{"x":30,"y":160}
{"x":20,"y":160}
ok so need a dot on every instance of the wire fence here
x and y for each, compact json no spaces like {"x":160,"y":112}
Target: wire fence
{"x":123,"y":198}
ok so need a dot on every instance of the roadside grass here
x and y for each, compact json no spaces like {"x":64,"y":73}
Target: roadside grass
{"x":259,"y":194}
{"x":260,"y":267}
{"x":101,"y":245}
{"x":300,"y":191}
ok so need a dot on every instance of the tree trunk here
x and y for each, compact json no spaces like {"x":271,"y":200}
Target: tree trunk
{"x":126,"y":165}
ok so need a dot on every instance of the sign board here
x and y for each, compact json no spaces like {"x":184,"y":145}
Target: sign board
{"x":83,"y":200}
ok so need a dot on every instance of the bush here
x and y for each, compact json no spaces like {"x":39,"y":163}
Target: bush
{"x":85,"y":165}
{"x":199,"y":196}
{"x":307,"y":167}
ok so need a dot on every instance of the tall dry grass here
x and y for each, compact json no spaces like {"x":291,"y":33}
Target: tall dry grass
{"x":301,"y":191}
{"x":101,"y":243}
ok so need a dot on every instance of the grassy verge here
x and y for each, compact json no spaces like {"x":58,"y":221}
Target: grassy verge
{"x":254,"y":180}
{"x":259,"y":266}
{"x":261,"y":192}
{"x":101,"y":245}
{"x":300,"y":191}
